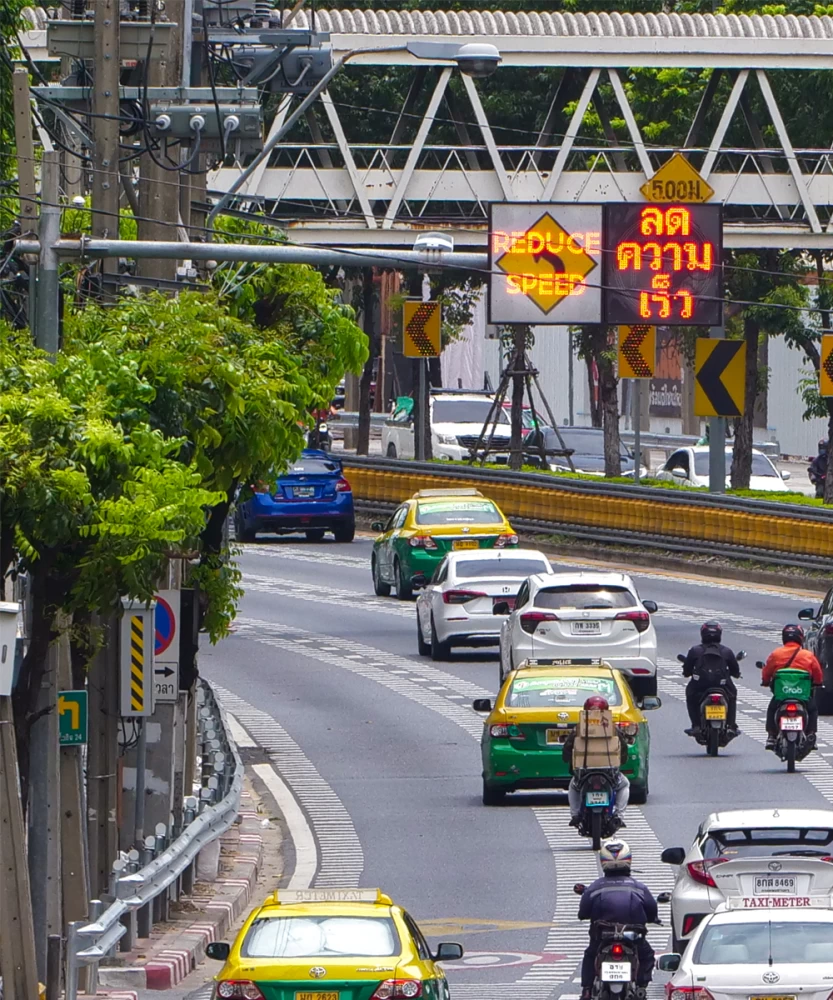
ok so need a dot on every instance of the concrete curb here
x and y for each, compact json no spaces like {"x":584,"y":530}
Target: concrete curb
{"x":172,"y":953}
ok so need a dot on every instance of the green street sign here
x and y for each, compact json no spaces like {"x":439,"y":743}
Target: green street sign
{"x":72,"y":718}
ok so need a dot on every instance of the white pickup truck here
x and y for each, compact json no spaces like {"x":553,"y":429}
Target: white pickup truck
{"x":457,"y":418}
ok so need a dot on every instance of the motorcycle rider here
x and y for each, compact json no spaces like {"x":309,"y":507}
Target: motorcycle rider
{"x":818,"y":468}
{"x":619,"y":899}
{"x":792,"y":655}
{"x":623,"y":787}
{"x":710,"y":664}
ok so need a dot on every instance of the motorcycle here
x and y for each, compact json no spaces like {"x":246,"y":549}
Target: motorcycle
{"x":319,"y":437}
{"x":792,"y":690}
{"x":617,"y":960}
{"x":597,"y":790}
{"x":817,"y":481}
{"x":714,"y":716}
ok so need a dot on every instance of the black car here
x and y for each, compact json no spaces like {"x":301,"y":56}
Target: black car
{"x":820,"y":642}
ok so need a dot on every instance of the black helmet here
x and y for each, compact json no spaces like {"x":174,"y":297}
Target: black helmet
{"x":792,"y":633}
{"x":711,"y":631}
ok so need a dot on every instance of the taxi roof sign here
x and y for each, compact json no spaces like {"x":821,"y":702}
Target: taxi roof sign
{"x":328,"y":896}
{"x":466,"y":491}
{"x":583,"y":661}
{"x":774,"y":903}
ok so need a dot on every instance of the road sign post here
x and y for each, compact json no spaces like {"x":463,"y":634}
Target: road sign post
{"x":421,"y":333}
{"x":719,"y":392}
{"x":72,"y":718}
{"x":637,"y":361}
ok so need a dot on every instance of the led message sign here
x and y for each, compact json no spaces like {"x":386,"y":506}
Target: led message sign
{"x":545,"y":263}
{"x":662,"y":264}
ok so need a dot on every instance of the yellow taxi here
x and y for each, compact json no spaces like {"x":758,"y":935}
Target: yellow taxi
{"x":535,"y":711}
{"x":423,"y":529}
{"x":330,"y":944}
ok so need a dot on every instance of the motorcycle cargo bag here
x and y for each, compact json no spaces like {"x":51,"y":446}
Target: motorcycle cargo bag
{"x":597,"y":744}
{"x":792,"y":684}
{"x":596,"y":722}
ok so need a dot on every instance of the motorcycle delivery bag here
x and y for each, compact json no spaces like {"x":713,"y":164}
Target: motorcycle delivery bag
{"x":789,"y":683}
{"x":597,"y":742}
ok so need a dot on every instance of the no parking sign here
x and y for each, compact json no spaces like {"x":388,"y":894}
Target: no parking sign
{"x":166,"y":645}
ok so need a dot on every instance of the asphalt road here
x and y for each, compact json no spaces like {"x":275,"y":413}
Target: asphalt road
{"x":381,"y":749}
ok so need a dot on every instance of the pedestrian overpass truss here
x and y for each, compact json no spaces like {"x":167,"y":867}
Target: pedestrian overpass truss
{"x":337,"y":188}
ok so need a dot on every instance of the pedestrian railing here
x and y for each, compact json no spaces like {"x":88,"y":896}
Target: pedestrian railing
{"x":143,"y":886}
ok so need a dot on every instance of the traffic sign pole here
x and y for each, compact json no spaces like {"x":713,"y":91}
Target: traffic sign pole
{"x":717,"y":438}
{"x":637,"y":427}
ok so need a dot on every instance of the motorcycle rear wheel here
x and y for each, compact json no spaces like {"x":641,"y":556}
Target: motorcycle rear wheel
{"x":790,"y":756}
{"x":713,"y":744}
{"x":596,"y":830}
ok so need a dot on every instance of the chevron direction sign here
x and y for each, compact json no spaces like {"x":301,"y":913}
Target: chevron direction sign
{"x":637,"y":351}
{"x":719,"y":378}
{"x":421,"y":326}
{"x":826,"y":366}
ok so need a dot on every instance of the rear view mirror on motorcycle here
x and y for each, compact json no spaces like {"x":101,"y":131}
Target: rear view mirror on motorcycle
{"x":740,"y":655}
{"x":681,"y":657}
{"x":579,"y":888}
{"x":759,"y":664}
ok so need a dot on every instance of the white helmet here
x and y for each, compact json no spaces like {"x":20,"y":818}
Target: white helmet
{"x":615,"y":855}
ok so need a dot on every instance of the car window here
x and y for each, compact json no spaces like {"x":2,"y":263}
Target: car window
{"x":523,"y":595}
{"x":476,"y":569}
{"x":774,"y":942}
{"x":761,"y":465}
{"x":312,"y":467}
{"x":763,"y":843}
{"x":458,"y":512}
{"x":465,"y":411}
{"x":584,"y":597}
{"x":441,"y":572}
{"x":679,"y":460}
{"x":564,"y":692}
{"x":399,"y":517}
{"x":318,"y":937}
{"x":422,"y":948}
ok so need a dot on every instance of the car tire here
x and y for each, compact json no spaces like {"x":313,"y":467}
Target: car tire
{"x":241,"y":532}
{"x":639,"y":794}
{"x":315,"y":534}
{"x":423,"y":647}
{"x":345,"y":532}
{"x":493,"y":796}
{"x":824,"y":698}
{"x":391,"y":452}
{"x":439,"y":650}
{"x":404,"y":590}
{"x":380,"y":588}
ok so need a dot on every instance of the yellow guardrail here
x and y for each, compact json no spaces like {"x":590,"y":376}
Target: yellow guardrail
{"x":655,"y":517}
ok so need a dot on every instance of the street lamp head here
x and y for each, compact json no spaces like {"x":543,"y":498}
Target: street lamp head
{"x":477,"y":59}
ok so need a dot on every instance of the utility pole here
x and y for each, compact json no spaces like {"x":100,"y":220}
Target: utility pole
{"x":105,"y":199}
{"x":717,"y":438}
{"x":47,"y":317}
{"x":25,"y":150}
{"x":516,"y":458}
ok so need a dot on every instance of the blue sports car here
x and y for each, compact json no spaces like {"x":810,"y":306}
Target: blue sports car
{"x":311,"y":496}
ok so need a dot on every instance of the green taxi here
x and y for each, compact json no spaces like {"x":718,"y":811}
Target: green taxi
{"x":533,"y":714}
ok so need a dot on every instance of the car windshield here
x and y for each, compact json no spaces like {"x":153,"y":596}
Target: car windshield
{"x":320,"y":937}
{"x":752,"y":843}
{"x":476,"y":569}
{"x":562,"y":691}
{"x":465,"y":411}
{"x":584,"y":597}
{"x":458,"y":512}
{"x":761,"y":465}
{"x":775,"y":942}
{"x":312,"y":467}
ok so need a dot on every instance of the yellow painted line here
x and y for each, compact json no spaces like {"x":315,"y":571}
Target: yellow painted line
{"x":466,"y":925}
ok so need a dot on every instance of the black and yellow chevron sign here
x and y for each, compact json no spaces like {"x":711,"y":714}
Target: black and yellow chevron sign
{"x":421,"y":325}
{"x":138,"y":681}
{"x":637,"y":351}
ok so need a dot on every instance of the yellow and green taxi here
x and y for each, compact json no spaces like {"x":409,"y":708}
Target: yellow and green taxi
{"x":330,"y":944}
{"x":423,"y":529}
{"x":534,"y":713}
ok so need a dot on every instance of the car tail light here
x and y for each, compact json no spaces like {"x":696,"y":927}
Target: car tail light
{"x":422,"y":542}
{"x":503,"y":540}
{"x":690,"y":921}
{"x":461,"y":596}
{"x":532,"y":619}
{"x":503,"y":730}
{"x":342,"y":486}
{"x":640,"y":618}
{"x":628,"y":728}
{"x":391,"y":988}
{"x":238,"y":989}
{"x":700,"y":871}
{"x":687,"y":993}
{"x":828,"y":629}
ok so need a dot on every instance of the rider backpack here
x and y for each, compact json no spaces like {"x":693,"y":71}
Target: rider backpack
{"x":712,"y":668}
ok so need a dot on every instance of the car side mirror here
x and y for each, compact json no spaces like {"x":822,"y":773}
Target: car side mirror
{"x":669,"y":962}
{"x":482,"y":705}
{"x":679,"y":473}
{"x":419,"y":581}
{"x":579,"y":888}
{"x":650,"y":703}
{"x":650,"y":606}
{"x":501,"y":608}
{"x":218,"y":950}
{"x":807,"y":614}
{"x":786,"y":474}
{"x":673,"y":856}
{"x":377,"y":526}
{"x":448,"y":951}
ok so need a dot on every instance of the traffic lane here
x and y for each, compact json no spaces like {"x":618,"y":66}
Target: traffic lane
{"x":410,"y":782}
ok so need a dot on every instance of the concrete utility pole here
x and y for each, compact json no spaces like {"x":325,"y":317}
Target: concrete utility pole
{"x":47,"y":326}
{"x":717,"y":438}
{"x":105,"y":196}
{"x":25,"y":150}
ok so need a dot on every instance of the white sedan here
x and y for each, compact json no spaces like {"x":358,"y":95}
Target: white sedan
{"x":764,"y":953}
{"x":457,"y":608}
{"x":690,"y":467}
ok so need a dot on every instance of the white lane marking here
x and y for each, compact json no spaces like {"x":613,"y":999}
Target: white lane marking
{"x":239,"y":734}
{"x":330,"y":554}
{"x":332,"y":595}
{"x":306,"y":853}
{"x":758,"y":628}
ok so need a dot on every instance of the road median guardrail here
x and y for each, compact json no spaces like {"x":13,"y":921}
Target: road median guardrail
{"x":677,"y":520}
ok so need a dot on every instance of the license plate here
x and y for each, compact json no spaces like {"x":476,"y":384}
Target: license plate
{"x":791,"y":725}
{"x":510,"y":601}
{"x":779,"y":885}
{"x":782,"y":996}
{"x":586,"y":628}
{"x":303,"y":491}
{"x":307,"y":995}
{"x":465,"y":543}
{"x":597,"y":798}
{"x":616,"y":972}
{"x":556,"y":735}
{"x":715,"y":711}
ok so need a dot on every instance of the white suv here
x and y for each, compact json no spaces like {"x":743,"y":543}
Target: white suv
{"x":583,"y":614}
{"x":457,"y":419}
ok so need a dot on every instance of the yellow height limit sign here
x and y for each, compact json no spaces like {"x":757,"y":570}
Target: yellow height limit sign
{"x":421,"y":328}
{"x":637,"y":351}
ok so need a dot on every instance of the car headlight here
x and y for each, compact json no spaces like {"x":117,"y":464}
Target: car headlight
{"x":446,"y":439}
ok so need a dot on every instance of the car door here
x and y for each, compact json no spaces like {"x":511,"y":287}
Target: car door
{"x":816,"y":631}
{"x":386,"y":550}
{"x":509,"y":627}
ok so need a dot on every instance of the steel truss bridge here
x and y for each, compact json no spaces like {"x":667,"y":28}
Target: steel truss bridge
{"x":339,"y":190}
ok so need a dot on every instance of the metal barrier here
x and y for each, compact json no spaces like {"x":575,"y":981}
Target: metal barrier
{"x":141,"y":895}
{"x":678,"y":520}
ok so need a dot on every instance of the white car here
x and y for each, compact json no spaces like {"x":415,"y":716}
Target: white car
{"x":457,"y":418}
{"x":583,"y":614}
{"x":775,"y":952}
{"x":457,"y":607}
{"x":753,"y":853}
{"x":690,"y":467}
